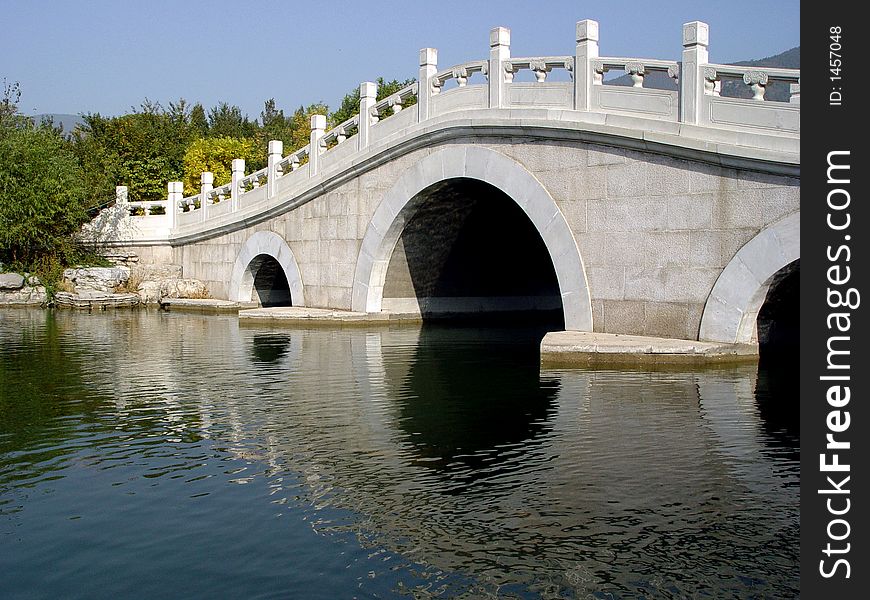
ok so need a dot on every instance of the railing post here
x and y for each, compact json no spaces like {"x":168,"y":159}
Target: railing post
{"x":499,"y":52}
{"x":238,"y":172}
{"x":176,"y":193}
{"x":368,"y":93}
{"x":696,"y":38}
{"x":428,"y":69}
{"x":586,"y":50}
{"x":795,"y":92}
{"x":206,"y":181}
{"x":121,"y":195}
{"x":276,"y":149}
{"x":318,"y":128}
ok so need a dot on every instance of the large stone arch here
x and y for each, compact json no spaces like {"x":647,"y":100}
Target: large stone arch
{"x":732,"y":307}
{"x":509,"y":176}
{"x":270,"y":244}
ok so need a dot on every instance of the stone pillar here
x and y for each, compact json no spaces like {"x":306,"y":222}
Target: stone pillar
{"x":318,"y":128}
{"x":368,"y":92}
{"x":585,"y":52}
{"x":206,"y":181}
{"x":499,"y":52}
{"x":238,"y":172}
{"x":428,"y":69}
{"x":696,"y":39}
{"x":795,"y":93}
{"x":276,"y":149}
{"x":175,"y":191}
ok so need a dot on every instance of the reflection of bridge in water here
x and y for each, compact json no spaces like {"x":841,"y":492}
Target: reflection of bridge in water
{"x":519,"y":184}
{"x":421,"y":435}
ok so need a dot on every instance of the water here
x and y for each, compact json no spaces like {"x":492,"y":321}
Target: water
{"x":148,"y":454}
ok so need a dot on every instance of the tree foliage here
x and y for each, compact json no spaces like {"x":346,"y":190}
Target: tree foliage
{"x":42,"y":198}
{"x":216,"y":154}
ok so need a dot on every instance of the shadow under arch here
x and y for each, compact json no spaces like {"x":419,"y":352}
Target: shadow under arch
{"x":731,"y":311}
{"x":400,"y":204}
{"x":269,"y":250}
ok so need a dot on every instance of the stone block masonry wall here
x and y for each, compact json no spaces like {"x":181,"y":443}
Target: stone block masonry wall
{"x":654,"y":232}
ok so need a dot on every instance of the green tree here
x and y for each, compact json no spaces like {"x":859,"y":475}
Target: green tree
{"x":142,"y":150}
{"x":42,"y":199}
{"x":198,"y":121}
{"x":227,"y":121}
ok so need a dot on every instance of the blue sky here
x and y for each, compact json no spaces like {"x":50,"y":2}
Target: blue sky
{"x":107,"y":56}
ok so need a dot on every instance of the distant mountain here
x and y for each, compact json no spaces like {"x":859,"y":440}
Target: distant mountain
{"x":778,"y":91}
{"x":66,"y":122}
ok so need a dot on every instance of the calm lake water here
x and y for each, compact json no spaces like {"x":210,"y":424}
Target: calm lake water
{"x":149,"y":455}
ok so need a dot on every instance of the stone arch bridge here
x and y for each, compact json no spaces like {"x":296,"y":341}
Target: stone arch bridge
{"x":518,"y":184}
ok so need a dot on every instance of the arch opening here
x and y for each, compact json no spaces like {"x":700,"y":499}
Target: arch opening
{"x":778,"y":321}
{"x":469,"y":252}
{"x":270,"y":285}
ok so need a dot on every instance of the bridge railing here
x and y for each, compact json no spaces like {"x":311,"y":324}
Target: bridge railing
{"x":687,"y":91}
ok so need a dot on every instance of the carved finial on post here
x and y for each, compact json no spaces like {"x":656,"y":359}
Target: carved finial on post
{"x":499,"y":54}
{"x":696,"y":39}
{"x":425,"y":89}
{"x":367,"y":97}
{"x":586,"y":51}
{"x":206,"y":184}
{"x":276,"y":149}
{"x":238,"y":172}
{"x":175,"y":192}
{"x":318,"y":128}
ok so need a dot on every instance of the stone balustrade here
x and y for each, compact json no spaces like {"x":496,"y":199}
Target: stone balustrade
{"x":490,"y":85}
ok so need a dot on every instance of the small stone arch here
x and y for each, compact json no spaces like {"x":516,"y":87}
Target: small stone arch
{"x":732,"y":308}
{"x":269,"y":244}
{"x":509,"y":176}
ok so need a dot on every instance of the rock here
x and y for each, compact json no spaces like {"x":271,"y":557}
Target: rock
{"x":92,"y":299}
{"x":156,"y":272}
{"x":33,"y":281}
{"x":98,"y":279}
{"x":11,"y":281}
{"x":26,"y":296}
{"x":183,"y":288}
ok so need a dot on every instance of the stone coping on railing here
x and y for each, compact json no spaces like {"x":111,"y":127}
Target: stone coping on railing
{"x":691,"y":121}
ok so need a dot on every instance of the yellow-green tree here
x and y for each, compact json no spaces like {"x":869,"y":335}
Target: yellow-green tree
{"x":216,"y":155}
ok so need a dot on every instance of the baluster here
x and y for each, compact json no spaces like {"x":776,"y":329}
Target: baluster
{"x":712,"y":82}
{"x":637,"y":72}
{"x":540,"y":69}
{"x":757,"y":82}
{"x":461,"y":76}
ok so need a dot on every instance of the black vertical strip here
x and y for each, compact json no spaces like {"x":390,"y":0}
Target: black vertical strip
{"x":835,"y":300}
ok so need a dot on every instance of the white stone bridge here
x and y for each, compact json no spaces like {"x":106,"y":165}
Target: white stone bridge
{"x":517,"y":183}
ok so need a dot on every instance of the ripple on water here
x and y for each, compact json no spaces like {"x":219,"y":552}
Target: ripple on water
{"x":193,"y":455}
